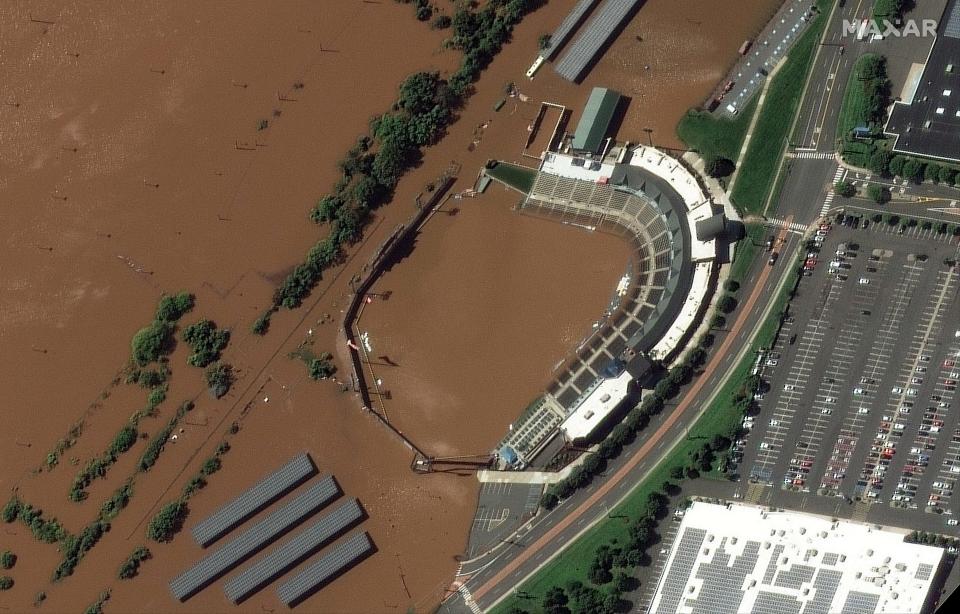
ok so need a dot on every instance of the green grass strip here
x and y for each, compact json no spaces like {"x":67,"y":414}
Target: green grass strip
{"x":520,"y":178}
{"x":779,"y":108}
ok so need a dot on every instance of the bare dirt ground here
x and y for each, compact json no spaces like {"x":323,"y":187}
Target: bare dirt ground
{"x":131,"y":163}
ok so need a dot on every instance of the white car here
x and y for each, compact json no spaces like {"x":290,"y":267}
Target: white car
{"x":788,"y":387}
{"x":911,"y":392}
{"x":896,"y":390}
{"x":864,"y":281}
{"x":774,"y":423}
{"x":859,"y":391}
{"x":826,"y":411}
{"x":831,"y":399}
{"x":764,"y":446}
{"x":952,"y":522}
{"x":863,"y":410}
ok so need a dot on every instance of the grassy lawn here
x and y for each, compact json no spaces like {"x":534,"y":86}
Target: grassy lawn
{"x":855,"y":110}
{"x":747,"y":251}
{"x":716,"y":136}
{"x":720,"y":418}
{"x":779,"y":108}
{"x":520,"y":178}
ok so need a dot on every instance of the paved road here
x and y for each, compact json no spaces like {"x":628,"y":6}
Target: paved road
{"x":485,"y":581}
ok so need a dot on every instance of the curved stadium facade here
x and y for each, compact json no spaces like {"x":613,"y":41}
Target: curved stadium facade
{"x":655,"y":203}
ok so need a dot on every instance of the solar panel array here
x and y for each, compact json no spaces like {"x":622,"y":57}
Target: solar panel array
{"x":795,"y":577}
{"x":676,"y":575}
{"x":723,"y":579}
{"x":952,"y":29}
{"x":860,"y":603}
{"x":254,"y":539}
{"x":248,"y":503}
{"x":775,"y":603}
{"x":824,"y":588}
{"x":593,"y":36}
{"x":327,"y":567}
{"x":289,"y":554}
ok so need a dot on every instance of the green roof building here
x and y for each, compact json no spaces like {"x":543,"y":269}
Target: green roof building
{"x":595,"y":119}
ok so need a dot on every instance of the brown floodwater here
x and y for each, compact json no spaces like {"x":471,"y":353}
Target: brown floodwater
{"x":131,"y":163}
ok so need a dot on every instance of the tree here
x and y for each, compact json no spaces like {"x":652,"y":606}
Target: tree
{"x":911,"y":170}
{"x":878,"y":193}
{"x":896,"y":165}
{"x":151,"y":342}
{"x":219,"y":378}
{"x":441,"y":22}
{"x":717,"y":321}
{"x":731,"y":285}
{"x":549,"y":500}
{"x":6,"y":583}
{"x":206,"y":341}
{"x":880,"y":162}
{"x":717,"y":166}
{"x":931,"y":172}
{"x":947,"y":175}
{"x":599,"y":574}
{"x":555,"y":600}
{"x":845,"y":189}
{"x":727,"y":303}
{"x":676,"y":472}
{"x":172,"y":308}
{"x":420,"y":92}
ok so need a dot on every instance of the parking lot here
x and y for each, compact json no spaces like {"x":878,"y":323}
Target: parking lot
{"x":859,"y":394}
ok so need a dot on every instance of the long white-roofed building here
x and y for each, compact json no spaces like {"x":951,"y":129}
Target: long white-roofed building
{"x":735,"y":558}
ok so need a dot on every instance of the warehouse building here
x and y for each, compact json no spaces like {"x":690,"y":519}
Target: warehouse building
{"x":740,"y":558}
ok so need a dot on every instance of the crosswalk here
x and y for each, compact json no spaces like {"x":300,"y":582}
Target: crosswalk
{"x":777,"y":223}
{"x":814,"y":155}
{"x":468,"y":599}
{"x":837,"y":176}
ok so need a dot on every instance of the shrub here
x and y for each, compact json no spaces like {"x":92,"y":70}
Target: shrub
{"x":119,"y":500}
{"x":6,"y":583}
{"x":74,"y":548}
{"x":219,"y":378}
{"x":8,"y":559}
{"x":731,"y":285}
{"x":131,"y":565}
{"x":123,"y":440}
{"x":12,"y":509}
{"x":168,"y":521}
{"x":211,"y":465}
{"x":727,"y":303}
{"x":441,"y":22}
{"x":195,"y":484}
{"x":322,"y":367}
{"x":261,"y":325}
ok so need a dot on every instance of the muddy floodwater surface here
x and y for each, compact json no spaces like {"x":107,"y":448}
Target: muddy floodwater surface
{"x":151,"y":147}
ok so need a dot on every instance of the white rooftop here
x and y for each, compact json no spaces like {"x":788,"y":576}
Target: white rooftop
{"x":597,"y":406}
{"x":740,"y":558}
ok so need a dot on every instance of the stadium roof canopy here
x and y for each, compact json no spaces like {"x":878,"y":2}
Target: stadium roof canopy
{"x":595,"y":119}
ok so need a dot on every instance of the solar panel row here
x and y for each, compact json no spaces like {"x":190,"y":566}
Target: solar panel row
{"x":324,"y":569}
{"x":254,"y":539}
{"x":562,"y":33}
{"x":592,"y":37}
{"x":284,"y":557}
{"x":248,"y":503}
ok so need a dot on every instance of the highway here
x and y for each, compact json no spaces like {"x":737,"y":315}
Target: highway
{"x":485,"y":581}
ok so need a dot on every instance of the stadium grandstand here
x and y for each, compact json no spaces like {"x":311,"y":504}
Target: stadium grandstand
{"x":653,"y":201}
